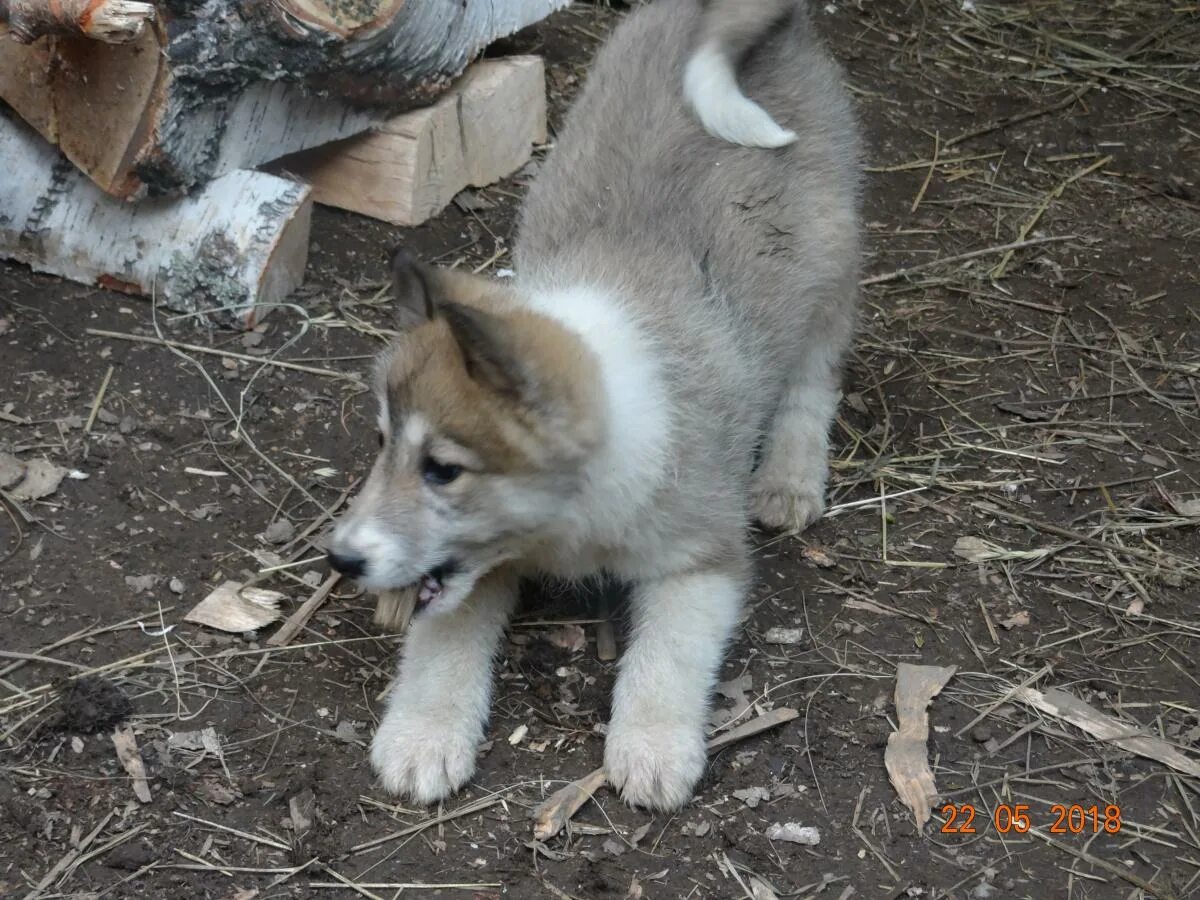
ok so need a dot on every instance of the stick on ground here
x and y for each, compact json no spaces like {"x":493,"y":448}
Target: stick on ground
{"x":300,"y":617}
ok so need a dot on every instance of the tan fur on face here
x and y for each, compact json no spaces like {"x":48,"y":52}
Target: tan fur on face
{"x":554,"y":422}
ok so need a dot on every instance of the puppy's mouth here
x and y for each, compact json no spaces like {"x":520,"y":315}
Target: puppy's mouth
{"x":432,"y":585}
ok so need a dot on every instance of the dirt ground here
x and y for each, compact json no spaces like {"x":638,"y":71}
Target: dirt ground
{"x":1016,"y":493}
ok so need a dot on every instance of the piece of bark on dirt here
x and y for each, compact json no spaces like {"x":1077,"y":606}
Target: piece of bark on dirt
{"x":1106,"y":728}
{"x":111,"y":21}
{"x":131,"y":761}
{"x":410,"y":167}
{"x":233,"y":248}
{"x":234,"y":608}
{"x":213,"y":87}
{"x":906,"y":756}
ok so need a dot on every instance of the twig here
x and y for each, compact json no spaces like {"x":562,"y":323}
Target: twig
{"x":1017,"y":119}
{"x":1059,"y":531}
{"x":91,"y":420}
{"x":963,"y":257}
{"x":213,"y":351}
{"x":467,"y":810}
{"x":297,"y":620}
{"x":1007,"y":695}
{"x":606,"y":636}
{"x":998,"y":269}
{"x":256,"y":838}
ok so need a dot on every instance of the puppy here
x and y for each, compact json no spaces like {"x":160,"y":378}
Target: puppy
{"x":685,"y":289}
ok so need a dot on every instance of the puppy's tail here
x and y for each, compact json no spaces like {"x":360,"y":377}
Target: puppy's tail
{"x":728,"y":30}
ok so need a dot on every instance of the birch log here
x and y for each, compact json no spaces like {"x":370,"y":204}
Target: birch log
{"x":232,"y":248}
{"x":212,"y":87}
{"x":111,"y":21}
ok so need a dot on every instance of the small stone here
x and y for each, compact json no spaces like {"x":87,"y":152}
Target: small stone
{"x":981,"y":734}
{"x":794,"y":833}
{"x":175,"y":585}
{"x":783,"y":635}
{"x":279,"y":532}
{"x":141,"y":584}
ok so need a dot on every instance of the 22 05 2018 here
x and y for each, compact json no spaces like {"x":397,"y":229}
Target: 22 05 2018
{"x":964,"y":818}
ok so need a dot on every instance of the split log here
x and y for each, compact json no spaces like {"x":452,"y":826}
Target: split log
{"x":212,"y":87}
{"x":232,"y":248}
{"x":409,"y":168}
{"x":111,"y":21}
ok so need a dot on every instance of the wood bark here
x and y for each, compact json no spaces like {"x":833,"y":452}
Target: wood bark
{"x":232,"y":248}
{"x":212,"y":87}
{"x":111,"y":21}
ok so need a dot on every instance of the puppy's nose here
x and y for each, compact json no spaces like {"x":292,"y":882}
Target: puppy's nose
{"x":354,"y":566}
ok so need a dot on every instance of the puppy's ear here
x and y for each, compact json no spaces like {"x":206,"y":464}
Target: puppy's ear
{"x":487,"y":348}
{"x":414,"y":286}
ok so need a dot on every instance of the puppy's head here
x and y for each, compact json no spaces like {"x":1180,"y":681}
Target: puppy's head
{"x":487,"y":414}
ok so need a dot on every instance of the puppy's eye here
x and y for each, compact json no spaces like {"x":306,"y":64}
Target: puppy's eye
{"x":435,"y":472}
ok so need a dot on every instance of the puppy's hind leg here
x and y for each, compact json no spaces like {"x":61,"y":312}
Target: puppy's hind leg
{"x":789,"y":487}
{"x":438,"y":706}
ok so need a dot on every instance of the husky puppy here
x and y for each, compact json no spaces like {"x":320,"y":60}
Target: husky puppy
{"x":685,"y":290}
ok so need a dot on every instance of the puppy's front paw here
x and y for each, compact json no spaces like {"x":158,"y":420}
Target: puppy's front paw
{"x":787,"y":506}
{"x":654,"y":766}
{"x":424,"y":757}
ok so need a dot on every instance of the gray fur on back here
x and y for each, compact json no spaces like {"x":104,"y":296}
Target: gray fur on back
{"x":737,"y":261}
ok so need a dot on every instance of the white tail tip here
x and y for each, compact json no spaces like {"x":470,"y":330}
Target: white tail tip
{"x":710,"y":86}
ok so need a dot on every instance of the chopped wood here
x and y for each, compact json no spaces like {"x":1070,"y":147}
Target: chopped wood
{"x":410,"y":167}
{"x":300,"y":617}
{"x":906,"y":756}
{"x":210,"y":88}
{"x":232,"y":248}
{"x":111,"y":21}
{"x":552,"y":814}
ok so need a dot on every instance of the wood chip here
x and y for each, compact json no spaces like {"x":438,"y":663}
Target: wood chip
{"x":131,"y":760}
{"x":394,"y":609}
{"x":31,"y":479}
{"x":906,"y":756}
{"x":236,"y":609}
{"x":552,"y":814}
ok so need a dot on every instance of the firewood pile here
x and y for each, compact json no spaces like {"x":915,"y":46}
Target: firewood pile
{"x":132,"y":134}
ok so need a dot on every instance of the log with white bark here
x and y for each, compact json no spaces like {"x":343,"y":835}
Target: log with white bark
{"x":111,"y":21}
{"x":409,"y":168}
{"x":212,"y":87}
{"x":233,"y":248}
